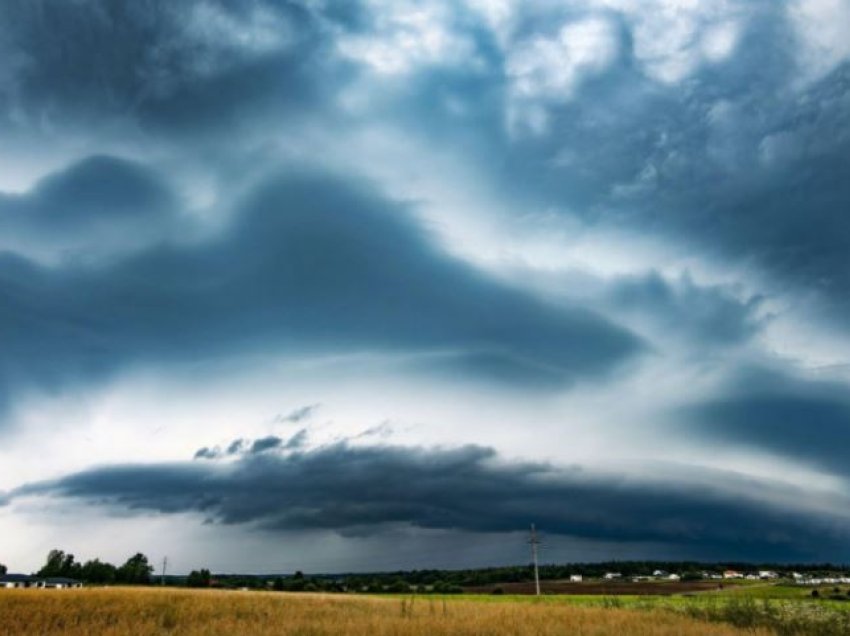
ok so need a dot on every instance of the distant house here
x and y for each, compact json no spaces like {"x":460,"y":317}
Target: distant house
{"x":610,"y":576}
{"x":575,"y":578}
{"x":61,"y":582}
{"x":20,"y":581}
{"x":10,"y":581}
{"x":659,"y":573}
{"x":732,"y":574}
{"x":674,"y":577}
{"x":768,"y":574}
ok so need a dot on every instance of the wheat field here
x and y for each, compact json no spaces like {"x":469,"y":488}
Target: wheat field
{"x":142,"y":611}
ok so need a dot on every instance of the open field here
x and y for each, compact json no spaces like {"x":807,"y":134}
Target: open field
{"x":603,"y":588}
{"x":142,"y":611}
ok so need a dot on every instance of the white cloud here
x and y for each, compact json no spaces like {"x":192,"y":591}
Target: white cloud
{"x":549,"y":69}
{"x":823,"y":33}
{"x":674,"y":38}
{"x":407,"y":36}
{"x":259,"y":31}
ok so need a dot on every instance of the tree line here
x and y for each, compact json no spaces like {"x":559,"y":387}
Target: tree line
{"x":134,"y":571}
{"x":138,"y":571}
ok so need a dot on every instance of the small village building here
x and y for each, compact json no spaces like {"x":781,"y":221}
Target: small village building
{"x":732,"y":574}
{"x":61,"y":582}
{"x":610,"y":576}
{"x":674,"y":577}
{"x":768,"y":574}
{"x":575,"y":578}
{"x":11,"y":581}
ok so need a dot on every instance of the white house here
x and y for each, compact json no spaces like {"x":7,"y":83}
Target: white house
{"x":19,"y":581}
{"x":610,"y":576}
{"x":10,"y":581}
{"x":61,"y":582}
{"x":674,"y":577}
{"x":768,"y":574}
{"x":732,"y":574}
{"x":575,"y":578}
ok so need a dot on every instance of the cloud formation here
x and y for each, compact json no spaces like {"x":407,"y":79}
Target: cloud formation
{"x":312,"y":263}
{"x":353,"y":489}
{"x":804,"y":421}
{"x":586,"y":218}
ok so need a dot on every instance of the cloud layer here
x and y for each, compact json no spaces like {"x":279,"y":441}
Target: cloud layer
{"x":616,"y":223}
{"x":357,"y":490}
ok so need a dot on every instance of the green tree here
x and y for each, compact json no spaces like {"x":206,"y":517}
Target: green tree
{"x":96,"y":571}
{"x":53,"y":565}
{"x":60,"y":564}
{"x":135,"y":571}
{"x":3,"y":569}
{"x":199,"y":578}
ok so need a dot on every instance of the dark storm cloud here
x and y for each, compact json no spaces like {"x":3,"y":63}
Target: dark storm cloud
{"x":99,"y":200}
{"x":248,"y":447}
{"x":179,"y":67}
{"x":705,"y":163}
{"x":355,"y":489}
{"x":207,"y":453}
{"x":296,"y":441}
{"x":265,"y":443}
{"x":708,"y":315}
{"x":312,"y":262}
{"x":701,"y":161}
{"x":803,"y":421}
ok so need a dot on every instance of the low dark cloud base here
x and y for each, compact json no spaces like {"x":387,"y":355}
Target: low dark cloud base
{"x":802,"y":421}
{"x":357,"y":490}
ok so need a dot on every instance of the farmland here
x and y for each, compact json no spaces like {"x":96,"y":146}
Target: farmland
{"x":142,"y":611}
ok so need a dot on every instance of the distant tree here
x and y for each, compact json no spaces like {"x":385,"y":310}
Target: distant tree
{"x":398,"y":586}
{"x":199,"y":578}
{"x":277,"y":584}
{"x":298,"y":576}
{"x":53,"y":565}
{"x":60,"y":564}
{"x":96,"y":571}
{"x":3,"y":569}
{"x":135,"y":571}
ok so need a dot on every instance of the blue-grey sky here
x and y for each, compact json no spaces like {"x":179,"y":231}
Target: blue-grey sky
{"x":284,"y":283}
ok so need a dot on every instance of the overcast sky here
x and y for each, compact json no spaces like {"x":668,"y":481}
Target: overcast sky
{"x":376,"y":284}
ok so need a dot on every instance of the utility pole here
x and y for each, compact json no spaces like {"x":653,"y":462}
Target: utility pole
{"x":534,"y":541}
{"x":164,"y":565}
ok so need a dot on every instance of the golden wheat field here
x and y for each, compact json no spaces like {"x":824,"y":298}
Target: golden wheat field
{"x":141,"y":611}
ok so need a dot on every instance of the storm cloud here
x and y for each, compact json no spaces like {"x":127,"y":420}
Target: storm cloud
{"x":312,"y":262}
{"x":584,"y":233}
{"x":353,"y":489}
{"x":805,"y":421}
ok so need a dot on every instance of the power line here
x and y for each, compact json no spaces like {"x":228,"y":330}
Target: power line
{"x":534,"y":541}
